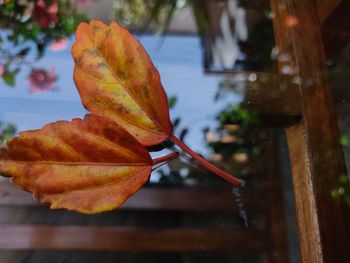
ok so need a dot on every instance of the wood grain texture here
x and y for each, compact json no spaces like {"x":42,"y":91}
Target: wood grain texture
{"x":316,"y":156}
{"x":26,"y":237}
{"x":155,"y":198}
{"x":309,"y":232}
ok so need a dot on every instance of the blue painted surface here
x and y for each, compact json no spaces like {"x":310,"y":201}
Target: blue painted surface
{"x":179,"y":61}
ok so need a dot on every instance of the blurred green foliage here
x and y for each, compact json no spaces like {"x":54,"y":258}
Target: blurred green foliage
{"x":146,"y":14}
{"x":172,"y":101}
{"x":345,"y":140}
{"x":341,"y":192}
{"x":6,"y":132}
{"x":239,"y":115}
{"x":24,"y":22}
{"x":39,"y":21}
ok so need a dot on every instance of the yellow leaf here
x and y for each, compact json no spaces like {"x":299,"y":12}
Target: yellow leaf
{"x":116,"y":78}
{"x":89,"y":165}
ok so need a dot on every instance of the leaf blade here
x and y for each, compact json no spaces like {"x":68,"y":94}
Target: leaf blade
{"x":100,"y":179}
{"x":116,"y":78}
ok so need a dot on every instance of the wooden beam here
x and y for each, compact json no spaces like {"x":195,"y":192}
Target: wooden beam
{"x":336,"y":30}
{"x":282,"y":96}
{"x":325,"y":8}
{"x":316,"y":155}
{"x":28,"y":237}
{"x":309,"y":232}
{"x":153,"y":198}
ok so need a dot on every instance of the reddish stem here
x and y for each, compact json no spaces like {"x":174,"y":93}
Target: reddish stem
{"x":165,"y":158}
{"x":226,"y":176}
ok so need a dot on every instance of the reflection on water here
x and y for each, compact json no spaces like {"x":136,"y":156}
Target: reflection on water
{"x":217,"y":61}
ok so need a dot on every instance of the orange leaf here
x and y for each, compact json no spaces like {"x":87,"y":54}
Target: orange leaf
{"x":90,"y":165}
{"x":116,"y":78}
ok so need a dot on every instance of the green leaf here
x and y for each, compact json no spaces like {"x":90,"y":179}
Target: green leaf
{"x":9,"y":77}
{"x":345,"y":140}
{"x":34,"y":31}
{"x":10,"y":6}
{"x":9,"y":131}
{"x":172,"y":101}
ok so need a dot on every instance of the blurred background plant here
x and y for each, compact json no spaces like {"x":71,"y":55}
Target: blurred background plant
{"x":144,"y":15}
{"x":34,"y":23}
{"x":7,"y":131}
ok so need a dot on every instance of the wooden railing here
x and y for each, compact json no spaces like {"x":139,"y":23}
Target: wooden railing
{"x":125,"y":238}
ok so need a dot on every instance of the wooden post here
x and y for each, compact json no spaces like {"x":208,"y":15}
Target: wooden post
{"x":316,"y":156}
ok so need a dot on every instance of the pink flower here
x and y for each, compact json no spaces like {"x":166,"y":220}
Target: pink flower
{"x":46,"y":14}
{"x":2,"y":70}
{"x":41,"y":80}
{"x":59,"y":45}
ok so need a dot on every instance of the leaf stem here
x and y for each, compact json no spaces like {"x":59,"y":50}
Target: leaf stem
{"x":165,"y":158}
{"x":226,"y":176}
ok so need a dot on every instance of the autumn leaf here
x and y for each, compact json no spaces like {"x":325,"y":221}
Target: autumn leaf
{"x":116,"y":78}
{"x":90,"y":165}
{"x":95,"y":164}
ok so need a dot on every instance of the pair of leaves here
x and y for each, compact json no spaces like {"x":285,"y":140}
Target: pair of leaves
{"x":95,"y":164}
